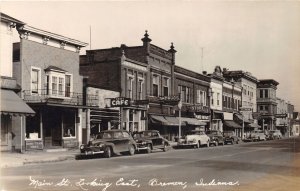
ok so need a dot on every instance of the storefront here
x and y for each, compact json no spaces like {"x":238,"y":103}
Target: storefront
{"x":54,"y":126}
{"x":13,"y":113}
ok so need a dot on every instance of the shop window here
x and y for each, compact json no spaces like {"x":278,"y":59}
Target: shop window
{"x":69,"y":124}
{"x":33,"y":128}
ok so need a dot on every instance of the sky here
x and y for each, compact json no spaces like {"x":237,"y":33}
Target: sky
{"x":262,"y":38}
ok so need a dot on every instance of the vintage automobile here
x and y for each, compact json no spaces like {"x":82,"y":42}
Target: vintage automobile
{"x":216,"y":137}
{"x":257,"y":135}
{"x":149,"y":140}
{"x":110,"y":142}
{"x":194,"y":138}
{"x":275,"y":134}
{"x":230,"y":137}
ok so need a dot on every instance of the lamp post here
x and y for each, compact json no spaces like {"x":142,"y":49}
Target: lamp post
{"x":179,"y":114}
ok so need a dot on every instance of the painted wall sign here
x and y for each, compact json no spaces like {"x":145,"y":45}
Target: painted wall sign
{"x":120,"y":102}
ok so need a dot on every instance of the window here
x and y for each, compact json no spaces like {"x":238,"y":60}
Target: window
{"x":35,"y":80}
{"x":212,"y":98}
{"x":33,"y":128}
{"x":261,"y":93}
{"x":58,"y":84}
{"x":68,"y":86}
{"x":266,"y":93}
{"x":54,"y":85}
{"x":5,"y":120}
{"x":201,"y":97}
{"x":185,"y":94}
{"x":155,"y":85}
{"x":165,"y":86}
{"x":69,"y":123}
{"x":129,"y":86}
{"x":218,"y":99}
{"x":261,"y":107}
{"x":140,"y":88}
{"x":224,"y":101}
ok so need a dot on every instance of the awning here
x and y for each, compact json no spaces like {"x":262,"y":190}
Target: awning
{"x":192,"y":121}
{"x":174,"y":121}
{"x":232,"y":124}
{"x":252,"y":125}
{"x":12,"y":104}
{"x":159,"y":119}
{"x":240,"y":118}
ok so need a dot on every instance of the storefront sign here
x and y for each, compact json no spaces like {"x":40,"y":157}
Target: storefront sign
{"x":33,"y":144}
{"x":202,"y":117}
{"x":141,"y":102}
{"x":281,"y":115}
{"x":245,"y":109}
{"x":120,"y":102}
{"x":198,"y":108}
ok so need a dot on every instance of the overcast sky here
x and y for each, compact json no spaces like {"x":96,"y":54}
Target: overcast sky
{"x":259,"y":37}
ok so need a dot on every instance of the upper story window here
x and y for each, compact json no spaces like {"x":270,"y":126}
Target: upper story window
{"x":166,"y":86}
{"x":264,"y":93}
{"x":212,"y":98}
{"x":155,"y":85}
{"x":35,"y":80}
{"x":218,"y":99}
{"x":59,"y":83}
{"x":140,"y":88}
{"x":201,"y":97}
{"x":185,"y":93}
{"x":130,"y":86}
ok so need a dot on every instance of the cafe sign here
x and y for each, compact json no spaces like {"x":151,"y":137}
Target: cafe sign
{"x":120,"y":102}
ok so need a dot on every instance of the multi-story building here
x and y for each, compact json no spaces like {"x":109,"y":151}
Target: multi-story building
{"x":295,"y":125}
{"x":266,"y":103}
{"x":46,"y":65}
{"x":216,"y":103}
{"x":232,"y":98}
{"x":290,"y":117}
{"x":116,"y":78}
{"x":193,"y":89}
{"x":248,"y":105}
{"x":12,"y":108}
{"x":145,"y":76}
{"x":281,"y":116}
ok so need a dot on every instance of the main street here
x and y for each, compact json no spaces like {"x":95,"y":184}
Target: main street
{"x":236,"y":167}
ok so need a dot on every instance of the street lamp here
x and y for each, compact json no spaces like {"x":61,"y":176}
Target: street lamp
{"x":179,"y":125}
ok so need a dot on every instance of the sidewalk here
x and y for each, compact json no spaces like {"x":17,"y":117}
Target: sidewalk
{"x":10,"y":159}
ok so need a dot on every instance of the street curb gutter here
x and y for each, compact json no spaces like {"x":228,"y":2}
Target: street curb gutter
{"x":59,"y":159}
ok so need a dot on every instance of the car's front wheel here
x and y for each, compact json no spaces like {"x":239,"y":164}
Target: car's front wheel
{"x":107,"y":152}
{"x":131,"y":150}
{"x":165,"y":149}
{"x":148,"y":148}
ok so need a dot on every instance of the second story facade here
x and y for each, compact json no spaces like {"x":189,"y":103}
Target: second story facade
{"x":266,"y":96}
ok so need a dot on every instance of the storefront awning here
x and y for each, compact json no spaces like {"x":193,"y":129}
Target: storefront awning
{"x":239,"y":117}
{"x":159,"y":119}
{"x":232,"y":124}
{"x":252,"y":125}
{"x":174,"y":121}
{"x":192,"y":121}
{"x":12,"y":104}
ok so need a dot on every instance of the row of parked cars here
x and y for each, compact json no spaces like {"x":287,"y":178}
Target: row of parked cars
{"x":111,"y":142}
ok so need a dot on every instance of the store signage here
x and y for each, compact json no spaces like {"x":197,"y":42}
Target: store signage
{"x":120,"y":102}
{"x":245,"y":109}
{"x":202,"y":117}
{"x":281,"y":115}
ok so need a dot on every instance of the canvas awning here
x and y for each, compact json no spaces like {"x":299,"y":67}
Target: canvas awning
{"x":159,"y":119}
{"x":252,"y":125}
{"x":12,"y":104}
{"x":192,"y":121}
{"x":230,"y":123}
{"x":240,"y":118}
{"x":174,"y":121}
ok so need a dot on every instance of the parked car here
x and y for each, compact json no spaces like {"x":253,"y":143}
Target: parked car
{"x":257,"y":136}
{"x":216,"y":137}
{"x":275,"y":134}
{"x":230,"y":137}
{"x":149,"y":140}
{"x":110,"y":142}
{"x":194,"y":138}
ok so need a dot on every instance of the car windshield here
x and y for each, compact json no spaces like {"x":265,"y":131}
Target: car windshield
{"x":138,"y":135}
{"x":105,"y":135}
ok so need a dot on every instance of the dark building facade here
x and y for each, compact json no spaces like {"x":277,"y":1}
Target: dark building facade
{"x":266,"y":103}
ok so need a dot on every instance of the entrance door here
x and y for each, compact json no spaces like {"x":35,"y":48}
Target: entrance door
{"x":52,"y":128}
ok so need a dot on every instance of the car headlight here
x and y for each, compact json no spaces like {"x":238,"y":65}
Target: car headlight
{"x":82,"y":147}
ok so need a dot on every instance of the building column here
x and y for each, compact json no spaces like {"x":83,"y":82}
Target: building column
{"x":88,"y":125}
{"x":79,"y":126}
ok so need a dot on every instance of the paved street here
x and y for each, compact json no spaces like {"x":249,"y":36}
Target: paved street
{"x":248,"y":166}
